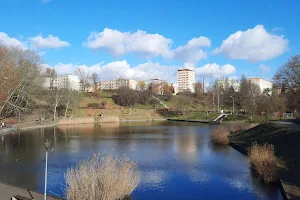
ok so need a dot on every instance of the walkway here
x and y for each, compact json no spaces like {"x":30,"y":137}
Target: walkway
{"x":8,"y":191}
{"x":161,"y":102}
{"x":288,"y":178}
{"x":289,"y":123}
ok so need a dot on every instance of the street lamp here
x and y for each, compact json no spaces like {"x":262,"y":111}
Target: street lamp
{"x":232,"y":104}
{"x":47,"y":148}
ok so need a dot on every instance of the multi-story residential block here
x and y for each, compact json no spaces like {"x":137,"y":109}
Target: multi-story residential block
{"x":235,"y":84}
{"x":116,"y":84}
{"x":262,"y":83}
{"x":132,"y":84}
{"x":108,"y":85}
{"x":157,"y":86}
{"x":186,"y":80}
{"x":67,"y":81}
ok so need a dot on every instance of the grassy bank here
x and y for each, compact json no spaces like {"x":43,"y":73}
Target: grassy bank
{"x":287,"y":148}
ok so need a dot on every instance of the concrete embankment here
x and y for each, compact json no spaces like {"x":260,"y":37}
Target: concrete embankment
{"x":8,"y":191}
{"x":189,"y":120}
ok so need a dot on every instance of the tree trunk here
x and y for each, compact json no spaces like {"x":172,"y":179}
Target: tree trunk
{"x":67,"y":106}
{"x":54,"y":113}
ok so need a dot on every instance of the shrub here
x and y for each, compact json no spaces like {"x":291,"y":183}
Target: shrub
{"x":220,"y":135}
{"x":263,"y":161}
{"x":166,"y":97}
{"x":93,"y":105}
{"x":105,"y":178}
{"x":144,"y":96}
{"x":104,"y":104}
{"x":125,"y":97}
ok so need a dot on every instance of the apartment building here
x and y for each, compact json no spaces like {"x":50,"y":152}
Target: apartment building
{"x":262,"y":83}
{"x":235,"y":84}
{"x":186,"y":80}
{"x":116,"y":84}
{"x":66,"y":81}
{"x":157,"y":86}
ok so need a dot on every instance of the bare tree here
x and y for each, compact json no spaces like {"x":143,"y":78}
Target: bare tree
{"x":198,"y":89}
{"x":95,"y":79}
{"x":84,"y":79}
{"x":142,"y":85}
{"x":20,"y":82}
{"x":54,"y":98}
{"x":51,"y":74}
{"x":249,"y":95}
{"x":184,"y":101}
{"x":289,"y":75}
{"x":287,"y":78}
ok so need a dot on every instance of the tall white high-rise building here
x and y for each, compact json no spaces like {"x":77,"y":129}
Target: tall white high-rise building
{"x":186,"y":80}
{"x":67,"y":81}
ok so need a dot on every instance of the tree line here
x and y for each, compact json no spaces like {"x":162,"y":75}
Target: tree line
{"x":21,"y":90}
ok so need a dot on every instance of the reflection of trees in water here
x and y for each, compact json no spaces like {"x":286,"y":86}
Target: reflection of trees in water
{"x":20,"y":158}
{"x":185,"y":145}
{"x":224,"y":149}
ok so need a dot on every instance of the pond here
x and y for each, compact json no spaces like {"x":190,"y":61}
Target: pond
{"x":177,"y":160}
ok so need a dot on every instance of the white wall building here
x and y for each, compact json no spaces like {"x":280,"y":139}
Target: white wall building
{"x":262,"y":83}
{"x":235,"y":84}
{"x":186,"y":80}
{"x":116,"y":84}
{"x":63,"y":81}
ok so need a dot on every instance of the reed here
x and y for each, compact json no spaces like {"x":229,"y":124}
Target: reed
{"x":78,"y":120}
{"x":220,"y":135}
{"x":105,"y":178}
{"x":263,"y":161}
{"x":109,"y":119}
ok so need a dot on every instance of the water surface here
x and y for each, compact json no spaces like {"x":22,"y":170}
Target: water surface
{"x":176,"y":159}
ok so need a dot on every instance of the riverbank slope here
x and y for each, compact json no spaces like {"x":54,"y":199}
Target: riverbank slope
{"x":287,"y":148}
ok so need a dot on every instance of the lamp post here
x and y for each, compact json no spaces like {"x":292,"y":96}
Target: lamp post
{"x":47,"y":148}
{"x":232,"y":104}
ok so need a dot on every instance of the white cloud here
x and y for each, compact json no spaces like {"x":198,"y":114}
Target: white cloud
{"x":119,"y":43}
{"x":189,"y":66}
{"x":9,"y":41}
{"x":148,"y":45}
{"x":145,"y":71}
{"x":264,"y":69}
{"x":191,"y":52}
{"x":50,"y":42}
{"x":113,"y":70}
{"x":215,"y":70}
{"x":253,"y":44}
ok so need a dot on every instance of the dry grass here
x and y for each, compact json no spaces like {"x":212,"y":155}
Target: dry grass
{"x":105,"y":178}
{"x":78,"y":120}
{"x":220,"y":135}
{"x":109,"y":119}
{"x":263,"y":161}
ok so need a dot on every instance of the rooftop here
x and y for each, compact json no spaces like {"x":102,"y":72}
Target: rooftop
{"x":185,"y":70}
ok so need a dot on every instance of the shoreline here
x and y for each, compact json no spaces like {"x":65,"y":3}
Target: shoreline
{"x":15,"y":128}
{"x":278,"y":182}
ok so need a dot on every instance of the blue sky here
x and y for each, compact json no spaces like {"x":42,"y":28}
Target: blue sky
{"x":151,"y":39}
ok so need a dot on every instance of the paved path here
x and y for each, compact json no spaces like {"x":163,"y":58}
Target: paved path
{"x":287,"y":123}
{"x":8,"y":191}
